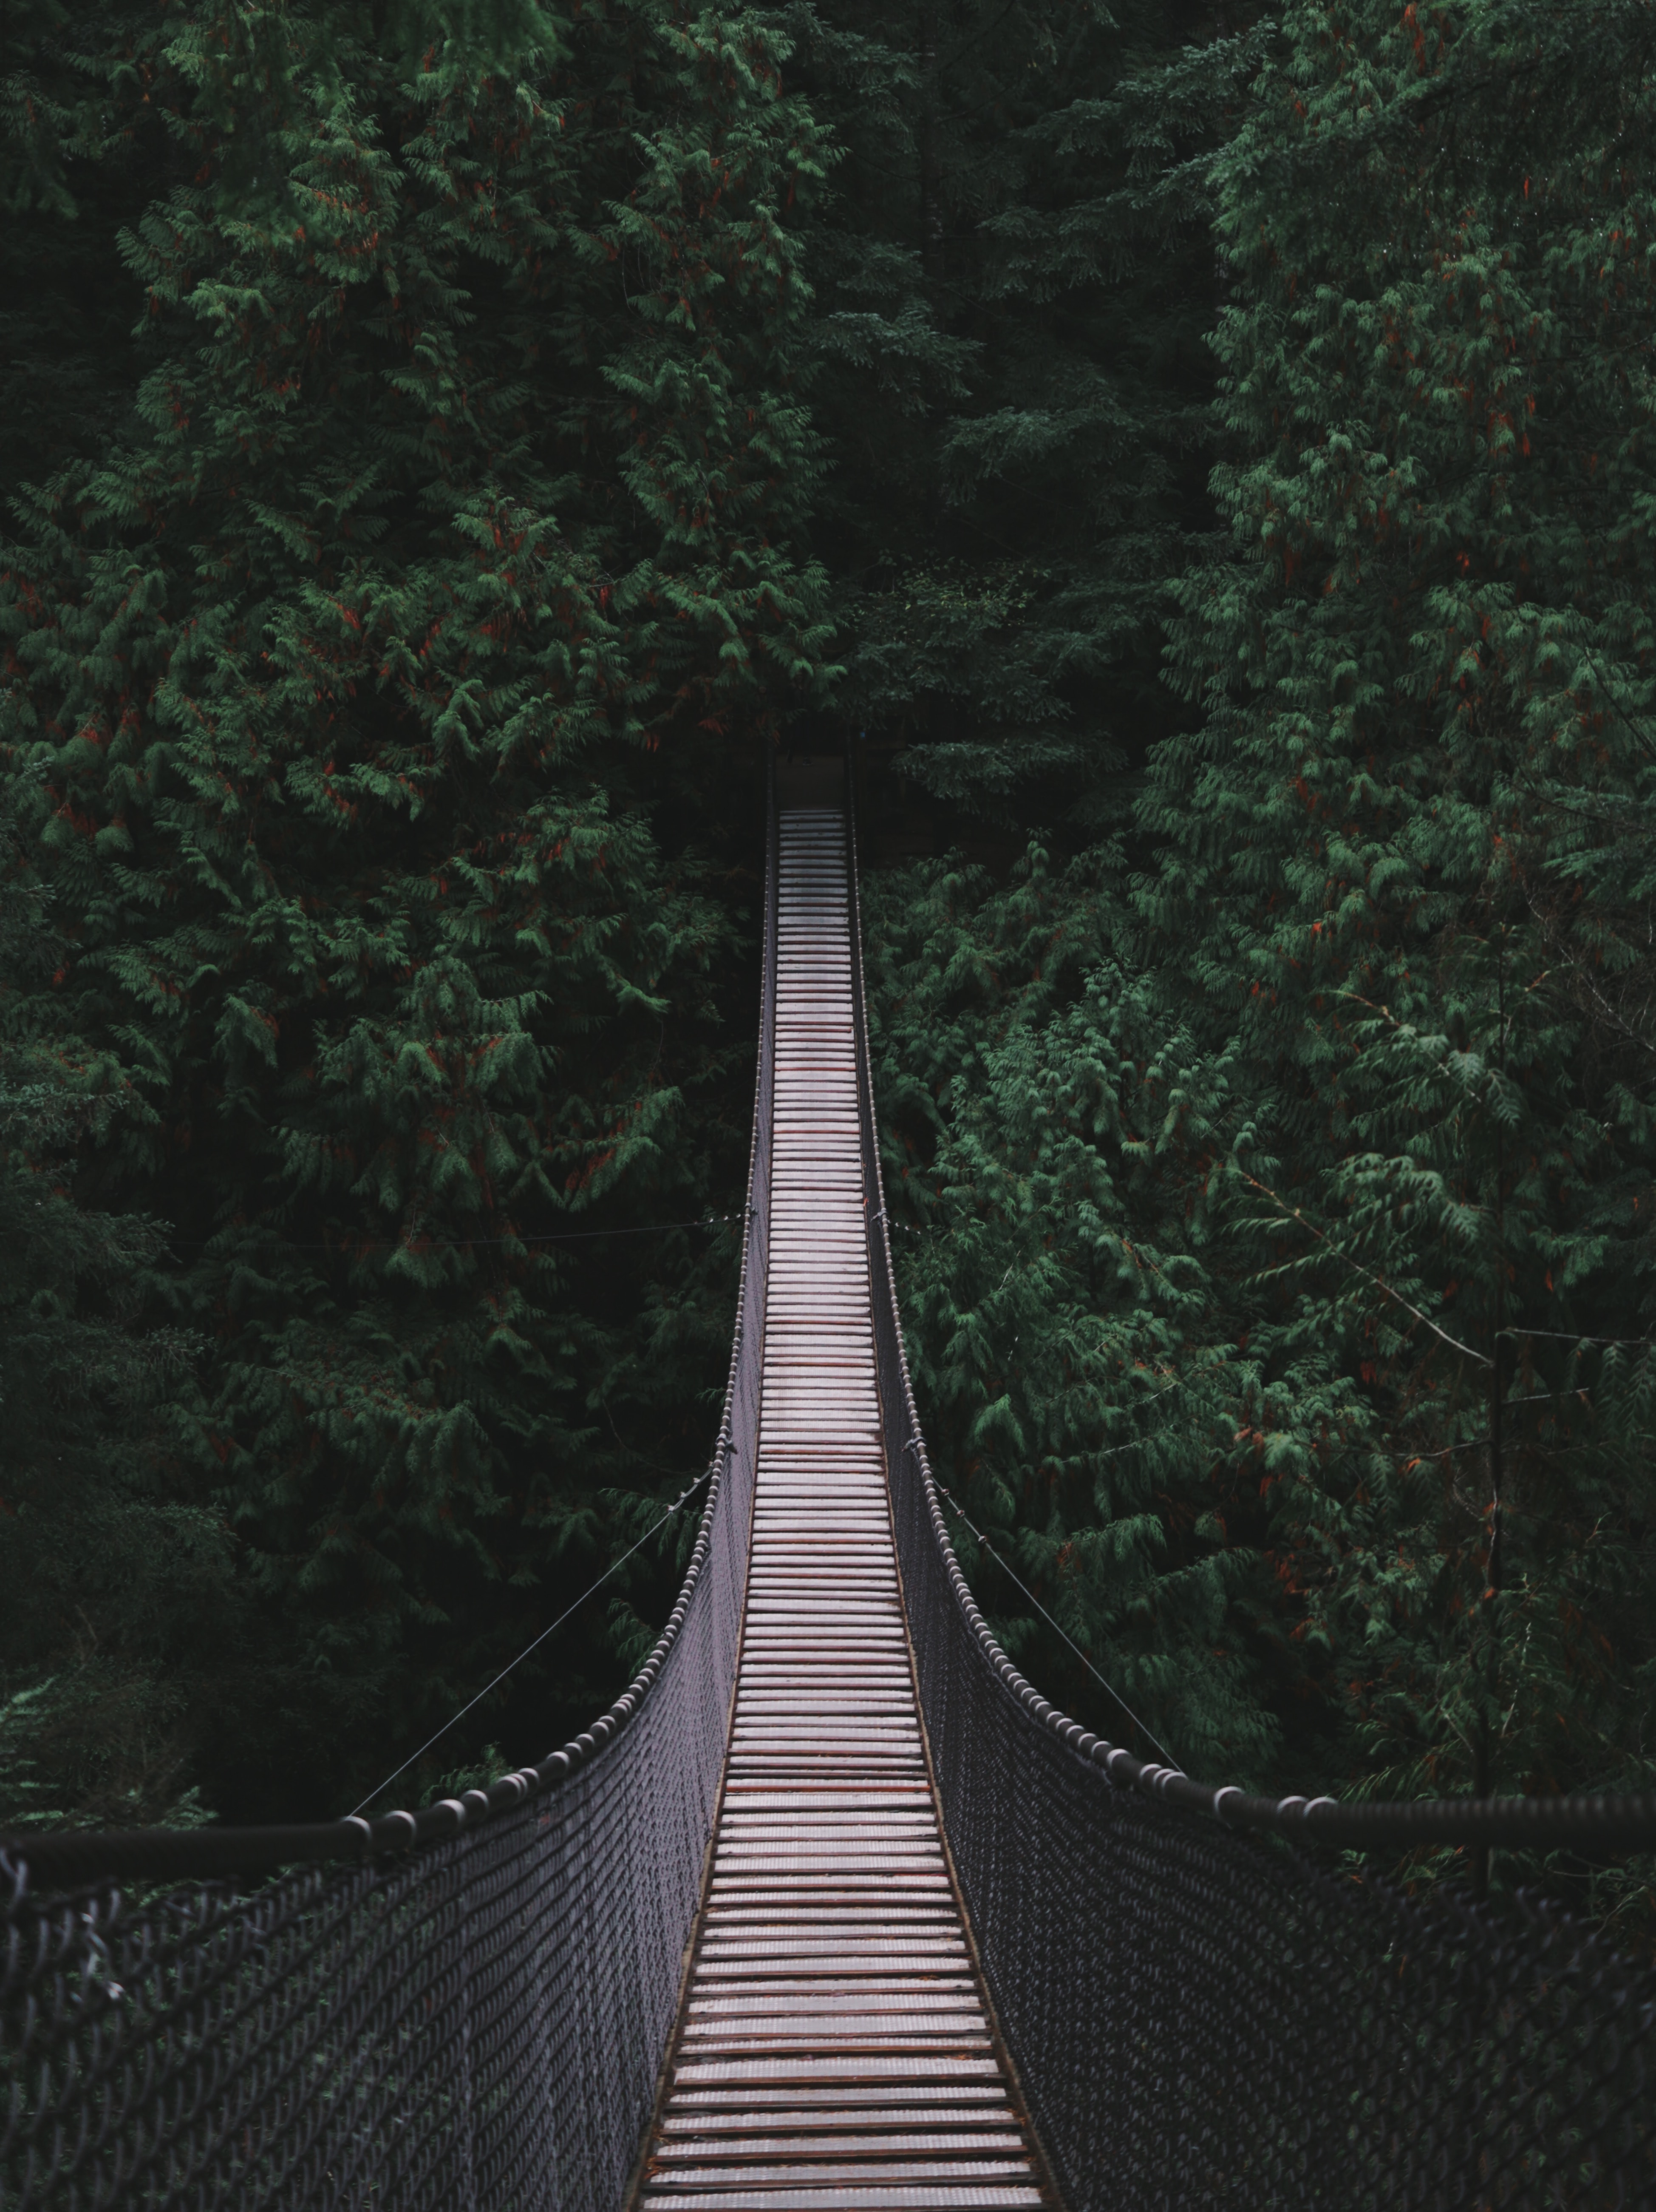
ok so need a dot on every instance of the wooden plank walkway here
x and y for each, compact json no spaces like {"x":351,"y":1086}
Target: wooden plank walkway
{"x":834,"y":2049}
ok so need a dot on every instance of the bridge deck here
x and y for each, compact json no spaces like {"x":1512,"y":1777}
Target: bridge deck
{"x":834,"y":2048}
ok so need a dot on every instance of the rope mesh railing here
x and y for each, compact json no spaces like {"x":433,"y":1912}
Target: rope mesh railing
{"x":473,"y":2015}
{"x":1202,"y":2018}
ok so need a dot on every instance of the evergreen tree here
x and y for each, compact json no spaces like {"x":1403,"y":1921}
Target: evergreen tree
{"x":413,"y":504}
{"x":1012,"y":382}
{"x":115,"y":1593}
{"x":1044,"y":1270}
{"x":357,"y":683}
{"x":1411,"y":855}
{"x":1076,"y":1395}
{"x":1336,"y":1114}
{"x":78,"y":153}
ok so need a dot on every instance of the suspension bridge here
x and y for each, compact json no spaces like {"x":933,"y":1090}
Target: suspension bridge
{"x":831,"y":1909}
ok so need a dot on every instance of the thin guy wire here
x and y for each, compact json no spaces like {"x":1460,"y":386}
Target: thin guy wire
{"x":677,"y":1502}
{"x":1068,"y":1638}
{"x":343,"y":1245}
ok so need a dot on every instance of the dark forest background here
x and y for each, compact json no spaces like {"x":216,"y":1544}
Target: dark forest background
{"x":1198,"y":460}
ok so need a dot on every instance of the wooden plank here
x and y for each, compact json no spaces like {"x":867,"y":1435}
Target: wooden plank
{"x":834,"y":2050}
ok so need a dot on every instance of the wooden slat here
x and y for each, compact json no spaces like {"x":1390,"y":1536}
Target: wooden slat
{"x":834,"y":2050}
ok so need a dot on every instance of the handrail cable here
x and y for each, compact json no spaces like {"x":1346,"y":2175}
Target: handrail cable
{"x":1197,"y":2020}
{"x":446,"y":2010}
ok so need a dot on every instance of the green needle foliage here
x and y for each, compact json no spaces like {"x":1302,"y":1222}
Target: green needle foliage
{"x":1061,"y":1328}
{"x":1010,"y":376}
{"x":107,"y":1577}
{"x":447,"y":445}
{"x":1411,"y":853}
{"x":353,"y":686}
{"x":1333,"y":1120}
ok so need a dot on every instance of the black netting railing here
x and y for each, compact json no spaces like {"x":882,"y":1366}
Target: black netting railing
{"x":1201,"y":2017}
{"x":471,"y":2018}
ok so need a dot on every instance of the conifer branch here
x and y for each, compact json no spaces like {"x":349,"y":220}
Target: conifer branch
{"x":1296,"y":1214}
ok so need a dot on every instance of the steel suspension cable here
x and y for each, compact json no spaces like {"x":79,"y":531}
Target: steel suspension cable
{"x":1154,"y":1742}
{"x":677,"y":1505}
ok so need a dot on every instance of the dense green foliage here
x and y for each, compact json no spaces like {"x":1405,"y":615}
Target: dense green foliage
{"x":1009,"y":382}
{"x":1412,"y":856}
{"x":1286,"y":1288}
{"x":370,"y":680}
{"x":446,"y":448}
